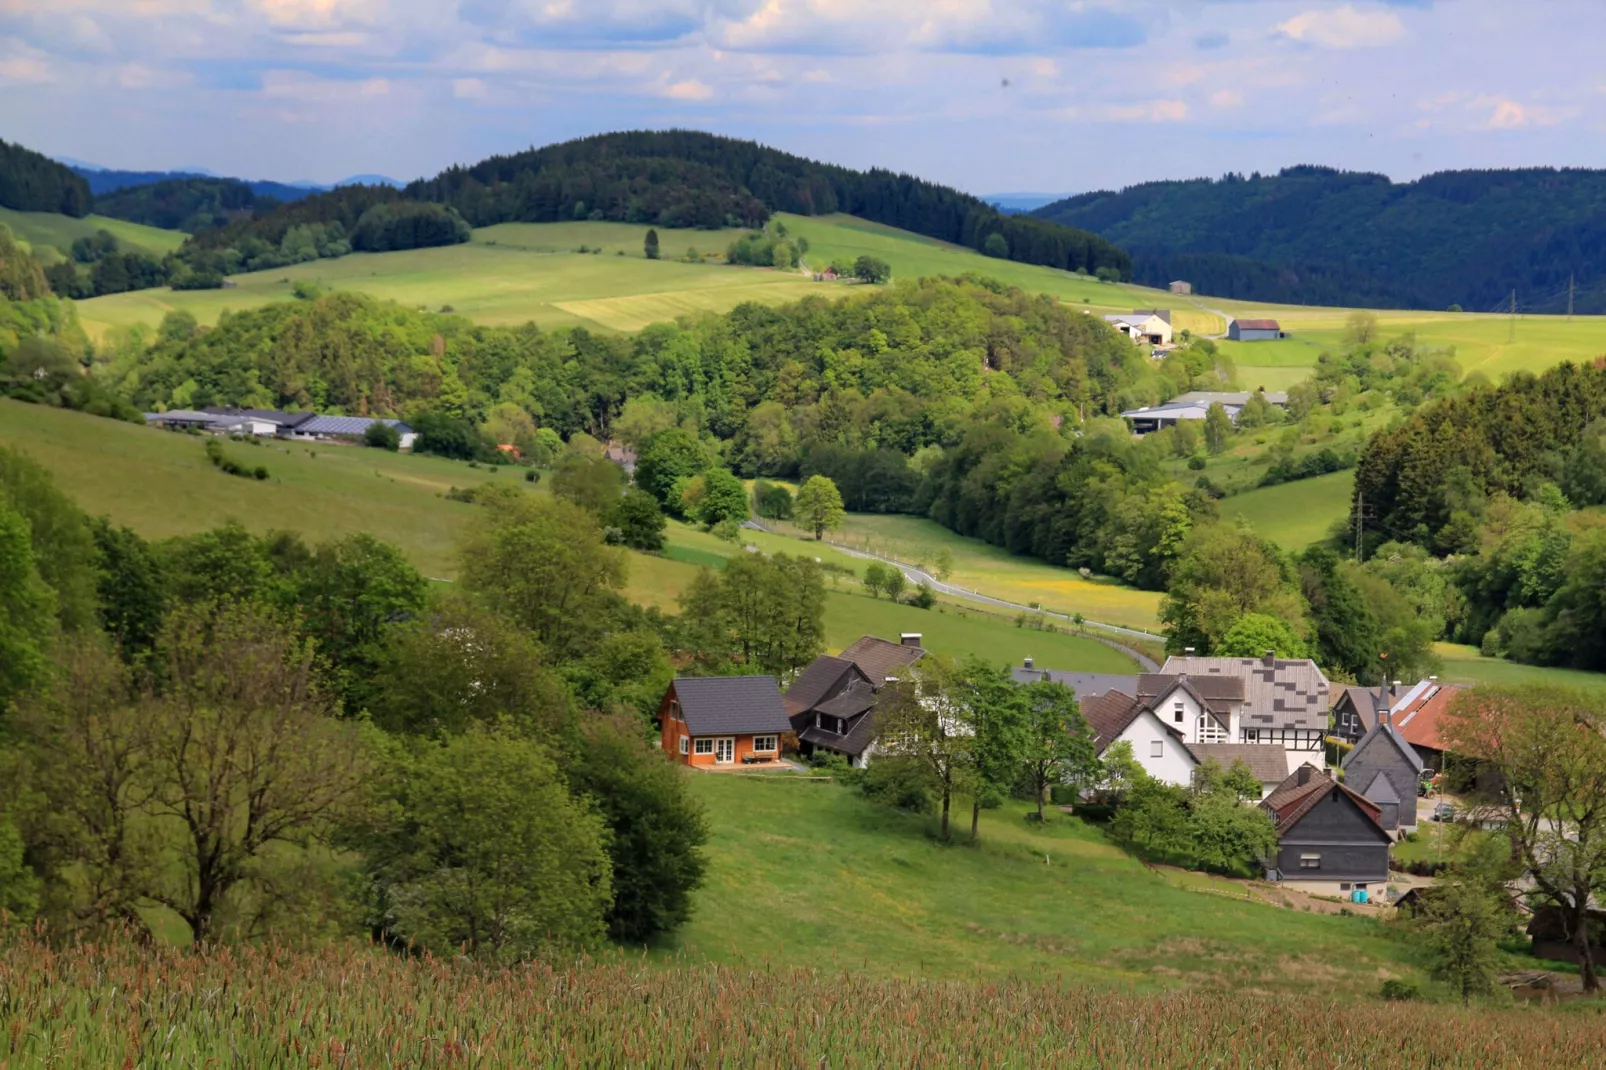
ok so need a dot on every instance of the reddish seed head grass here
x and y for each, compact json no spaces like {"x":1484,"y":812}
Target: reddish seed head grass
{"x":356,"y":1006}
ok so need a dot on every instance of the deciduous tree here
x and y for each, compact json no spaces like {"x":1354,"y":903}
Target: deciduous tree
{"x":819,"y":506}
{"x":1057,"y":747}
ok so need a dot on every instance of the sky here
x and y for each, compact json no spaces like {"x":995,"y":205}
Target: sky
{"x":990,"y":96}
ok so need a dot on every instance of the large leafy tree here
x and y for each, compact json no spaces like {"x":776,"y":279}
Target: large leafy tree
{"x":487,"y":853}
{"x":27,"y":610}
{"x":1056,"y":745}
{"x":669,"y":456}
{"x":1252,"y":634}
{"x":542,"y":563}
{"x":656,"y":829}
{"x":63,"y":544}
{"x":922,"y":720}
{"x":1221,"y":574}
{"x":1542,"y":755}
{"x":819,"y":506}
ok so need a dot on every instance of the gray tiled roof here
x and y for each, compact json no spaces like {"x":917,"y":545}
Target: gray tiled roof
{"x":1268,"y":761}
{"x":1278,"y":692}
{"x":822,"y":678}
{"x":1085,"y":684}
{"x":731,"y":705}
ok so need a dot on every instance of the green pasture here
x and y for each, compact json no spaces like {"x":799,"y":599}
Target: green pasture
{"x":1294,"y":515}
{"x":861,"y":887}
{"x":60,"y":231}
{"x":1464,"y":665}
{"x":990,"y":570}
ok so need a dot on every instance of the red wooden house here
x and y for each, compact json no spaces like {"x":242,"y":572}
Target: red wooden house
{"x":723,"y":720}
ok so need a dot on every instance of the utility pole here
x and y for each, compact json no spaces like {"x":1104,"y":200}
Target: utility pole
{"x":1511,"y":333}
{"x":1570,"y":298}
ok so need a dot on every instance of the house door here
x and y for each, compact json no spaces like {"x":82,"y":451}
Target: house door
{"x":724,"y":751}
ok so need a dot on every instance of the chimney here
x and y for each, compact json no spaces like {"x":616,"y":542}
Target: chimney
{"x":1028,"y":663}
{"x":1433,"y":679}
{"x":1304,"y":773}
{"x":1188,"y":651}
{"x":1270,"y":659}
{"x":909,"y":639}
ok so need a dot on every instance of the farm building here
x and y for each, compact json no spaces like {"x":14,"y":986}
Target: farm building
{"x":1180,"y":286}
{"x":348,"y":427}
{"x":723,"y":720}
{"x":1254,"y":331}
{"x":1194,"y":406}
{"x":1151,"y":325}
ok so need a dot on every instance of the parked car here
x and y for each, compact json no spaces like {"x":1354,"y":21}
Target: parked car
{"x":1443,"y":812}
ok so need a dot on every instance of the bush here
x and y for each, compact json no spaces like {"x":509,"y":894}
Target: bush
{"x":900,"y":784}
{"x":924,"y":597}
{"x":1490,"y":647}
{"x":1196,"y":463}
{"x":532,"y":476}
{"x":382,"y":436}
{"x":1398,"y":991}
{"x":771,"y":500}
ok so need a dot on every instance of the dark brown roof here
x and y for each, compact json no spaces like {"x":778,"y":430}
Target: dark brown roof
{"x":1267,"y":761}
{"x":731,"y":705}
{"x":1108,"y":715}
{"x":821,"y":679}
{"x":1218,"y":693}
{"x":1292,"y":800}
{"x":880,"y":658}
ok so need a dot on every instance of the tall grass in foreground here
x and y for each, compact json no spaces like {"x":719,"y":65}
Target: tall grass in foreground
{"x":120,"y":1005}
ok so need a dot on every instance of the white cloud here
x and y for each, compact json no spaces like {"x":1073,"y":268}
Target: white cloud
{"x":1143,"y":111}
{"x":469,"y":88}
{"x":1227,"y":98}
{"x":1345,"y":27}
{"x":690,"y":89}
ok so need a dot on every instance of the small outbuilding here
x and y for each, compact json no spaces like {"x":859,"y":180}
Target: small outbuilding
{"x":1255,"y":331}
{"x":1180,"y":286}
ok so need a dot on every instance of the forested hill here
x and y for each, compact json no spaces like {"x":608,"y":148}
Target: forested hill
{"x":32,"y":182}
{"x":682,"y":178}
{"x":191,"y":203}
{"x":1315,"y":235}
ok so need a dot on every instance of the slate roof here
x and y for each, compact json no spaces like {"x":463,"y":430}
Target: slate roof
{"x":1381,"y":790}
{"x":1218,"y":694}
{"x":1291,"y":800}
{"x":1416,"y":716}
{"x":1391,"y":734}
{"x":1278,"y":692}
{"x":278,"y":416}
{"x":853,"y":742}
{"x":853,"y":700}
{"x":880,"y":658}
{"x":821,"y":679}
{"x":1269,"y":762}
{"x":1085,"y":684}
{"x":731,"y":705}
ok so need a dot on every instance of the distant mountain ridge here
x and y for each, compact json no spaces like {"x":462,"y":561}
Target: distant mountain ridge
{"x":1319,"y":235}
{"x":103,"y":181}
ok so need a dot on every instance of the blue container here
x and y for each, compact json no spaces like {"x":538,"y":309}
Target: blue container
{"x":1358,"y":896}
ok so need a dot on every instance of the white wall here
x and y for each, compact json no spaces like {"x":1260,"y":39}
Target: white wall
{"x":1174,"y":766}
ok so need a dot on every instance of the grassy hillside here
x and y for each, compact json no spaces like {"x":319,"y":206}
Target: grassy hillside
{"x":516,"y":273}
{"x":1294,"y":515}
{"x":161,"y":484}
{"x":1464,"y":665}
{"x":59,"y":231}
{"x":809,"y":873}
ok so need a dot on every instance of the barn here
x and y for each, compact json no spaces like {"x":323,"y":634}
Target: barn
{"x":1254,"y":331}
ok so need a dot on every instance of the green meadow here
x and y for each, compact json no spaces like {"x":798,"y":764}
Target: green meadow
{"x":43,"y":230}
{"x":1294,"y":515}
{"x":867,"y":888}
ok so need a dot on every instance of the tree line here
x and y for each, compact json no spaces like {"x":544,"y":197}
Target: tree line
{"x":33,"y":182}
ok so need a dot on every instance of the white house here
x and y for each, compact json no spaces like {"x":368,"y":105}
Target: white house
{"x":1281,"y":701}
{"x":1150,"y":325}
{"x":1156,"y":745}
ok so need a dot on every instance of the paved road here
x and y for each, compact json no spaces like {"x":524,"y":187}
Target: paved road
{"x":916,"y":576}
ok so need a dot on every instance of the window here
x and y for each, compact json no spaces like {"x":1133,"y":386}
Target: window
{"x":674,"y":709}
{"x":1343,"y":886}
{"x":1251,"y":735}
{"x":1176,"y":712}
{"x":684,"y":742}
{"x":1157,"y":748}
{"x":766,"y":743}
{"x":1310,"y":861}
{"x":703,"y":746}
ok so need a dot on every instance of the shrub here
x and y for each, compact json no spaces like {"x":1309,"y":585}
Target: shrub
{"x":1196,"y":463}
{"x":382,"y":436}
{"x":532,"y":476}
{"x":1398,"y":991}
{"x":924,"y":597}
